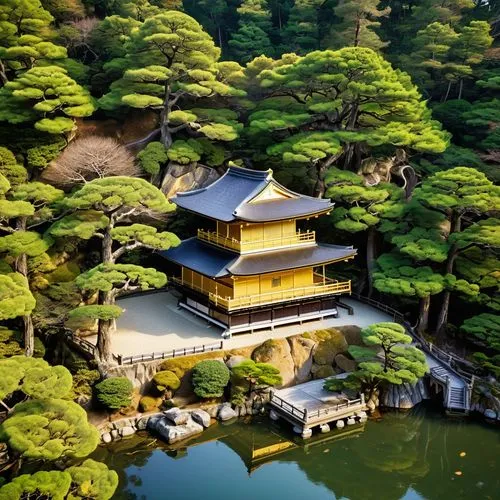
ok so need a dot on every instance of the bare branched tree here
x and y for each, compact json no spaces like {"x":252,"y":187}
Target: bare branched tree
{"x":88,"y":158}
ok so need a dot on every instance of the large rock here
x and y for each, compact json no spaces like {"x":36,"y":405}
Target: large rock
{"x":489,"y":413}
{"x":404,"y":396}
{"x":322,"y":371}
{"x":352,"y":335}
{"x":201,"y":417}
{"x":330,"y":343}
{"x":226,"y":413}
{"x":277,"y":353}
{"x":127,"y":431}
{"x":162,"y":426}
{"x":301,"y":350}
{"x":187,"y":177}
{"x":177,"y":416}
{"x":344,"y":363}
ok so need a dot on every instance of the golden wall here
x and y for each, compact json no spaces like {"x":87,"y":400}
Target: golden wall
{"x":272,"y":282}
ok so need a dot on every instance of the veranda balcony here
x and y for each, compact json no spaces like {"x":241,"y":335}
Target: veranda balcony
{"x":322,"y":286}
{"x":284,"y":241}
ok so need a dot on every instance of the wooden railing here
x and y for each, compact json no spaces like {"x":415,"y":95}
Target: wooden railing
{"x":81,"y":344}
{"x":306,"y":416}
{"x":264,"y":244}
{"x":174,"y":353}
{"x":232,"y":304}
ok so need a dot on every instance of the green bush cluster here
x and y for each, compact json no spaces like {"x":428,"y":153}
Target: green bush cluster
{"x":210,"y":377}
{"x":114,"y":393}
{"x":149,"y":403}
{"x":166,"y":380}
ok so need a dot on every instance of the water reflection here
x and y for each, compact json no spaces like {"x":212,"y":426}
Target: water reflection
{"x":403,"y":455}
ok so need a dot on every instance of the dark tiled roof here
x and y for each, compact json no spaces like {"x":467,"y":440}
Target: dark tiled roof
{"x":201,"y":257}
{"x":227,"y":199}
{"x":216,"y":263}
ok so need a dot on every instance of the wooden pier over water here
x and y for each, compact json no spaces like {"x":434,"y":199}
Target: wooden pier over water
{"x":309,"y":405}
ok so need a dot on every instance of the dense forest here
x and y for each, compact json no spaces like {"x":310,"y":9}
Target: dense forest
{"x":391,"y":108}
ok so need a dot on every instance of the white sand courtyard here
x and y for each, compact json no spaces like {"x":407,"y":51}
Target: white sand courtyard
{"x":153,"y":323}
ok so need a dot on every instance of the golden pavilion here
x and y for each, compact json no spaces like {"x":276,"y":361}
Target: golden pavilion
{"x":250,"y":266}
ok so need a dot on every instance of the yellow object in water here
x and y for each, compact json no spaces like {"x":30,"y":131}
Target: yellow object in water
{"x":458,"y":473}
{"x":462,"y":453}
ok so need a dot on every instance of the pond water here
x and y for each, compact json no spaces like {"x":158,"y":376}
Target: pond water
{"x":416,"y":455}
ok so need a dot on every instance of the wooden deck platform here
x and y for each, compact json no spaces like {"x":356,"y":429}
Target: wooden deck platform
{"x":309,"y":405}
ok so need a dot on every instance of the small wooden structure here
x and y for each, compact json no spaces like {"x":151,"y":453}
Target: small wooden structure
{"x":309,"y":405}
{"x":252,"y":266}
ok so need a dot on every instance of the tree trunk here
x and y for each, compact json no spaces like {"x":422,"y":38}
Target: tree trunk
{"x":166,"y":136}
{"x":460,"y":88}
{"x":370,"y":257}
{"x":455,"y":227}
{"x":104,"y":331}
{"x":107,"y":246}
{"x":423,"y":317}
{"x":356,"y":33}
{"x":447,"y":91}
{"x":22,"y":268}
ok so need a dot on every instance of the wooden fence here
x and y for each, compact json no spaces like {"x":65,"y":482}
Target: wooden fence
{"x":174,"y":353}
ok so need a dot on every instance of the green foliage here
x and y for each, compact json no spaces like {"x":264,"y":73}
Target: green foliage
{"x":152,"y":157}
{"x":483,"y":329}
{"x":53,"y":485}
{"x":92,"y":481}
{"x":251,"y":374}
{"x":49,"y":430}
{"x":47,"y":383}
{"x":210,"y":377}
{"x":105,"y":312}
{"x":398,"y":363}
{"x":359,"y":17}
{"x":149,"y":403}
{"x":109,"y":193}
{"x":83,"y":380}
{"x":15,"y":296}
{"x":24,"y":99}
{"x":114,"y":393}
{"x":120,"y":276}
{"x":395,"y":275}
{"x":166,"y":380}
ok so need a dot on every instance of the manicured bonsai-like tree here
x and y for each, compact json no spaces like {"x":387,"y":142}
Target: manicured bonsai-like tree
{"x":210,"y":377}
{"x":251,"y":375}
{"x":396,"y":363}
{"x":165,"y":382}
{"x":42,"y":484}
{"x":114,"y":393}
{"x":92,"y":480}
{"x":34,"y":377}
{"x":49,"y":429}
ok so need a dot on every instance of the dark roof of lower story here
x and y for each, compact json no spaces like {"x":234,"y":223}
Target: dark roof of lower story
{"x":214,"y":262}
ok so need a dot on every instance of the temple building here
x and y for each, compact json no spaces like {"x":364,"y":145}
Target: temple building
{"x":250,"y":266}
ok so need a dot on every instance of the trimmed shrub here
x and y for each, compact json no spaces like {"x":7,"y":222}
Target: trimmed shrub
{"x":210,"y":377}
{"x":114,"y":393}
{"x":149,"y":403}
{"x":166,"y":381}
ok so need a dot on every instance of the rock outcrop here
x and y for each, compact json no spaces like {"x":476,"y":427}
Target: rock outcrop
{"x":180,"y":178}
{"x":301,"y":351}
{"x":404,"y":396}
{"x":278,"y":353}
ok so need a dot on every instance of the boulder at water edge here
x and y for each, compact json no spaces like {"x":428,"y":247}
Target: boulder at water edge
{"x":201,"y":417}
{"x":177,"y":416}
{"x":170,"y":433}
{"x":226,"y":413}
